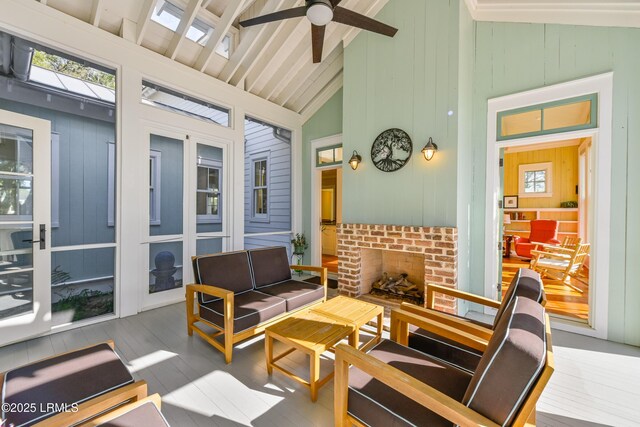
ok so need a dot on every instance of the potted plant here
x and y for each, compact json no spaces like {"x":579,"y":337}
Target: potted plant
{"x":299,"y":244}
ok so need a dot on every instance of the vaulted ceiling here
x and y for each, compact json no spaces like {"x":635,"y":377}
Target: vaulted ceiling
{"x":274,"y":61}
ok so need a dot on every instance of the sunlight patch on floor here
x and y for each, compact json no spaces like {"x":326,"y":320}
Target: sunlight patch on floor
{"x":150,"y":359}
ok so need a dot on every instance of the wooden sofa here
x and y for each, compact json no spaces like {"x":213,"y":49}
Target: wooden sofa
{"x":241,"y":293}
{"x":396,"y":385}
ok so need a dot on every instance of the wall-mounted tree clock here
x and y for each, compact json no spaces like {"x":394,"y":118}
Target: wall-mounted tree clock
{"x":391,"y":150}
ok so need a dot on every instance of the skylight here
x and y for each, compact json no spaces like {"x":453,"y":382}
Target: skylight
{"x":169,"y":15}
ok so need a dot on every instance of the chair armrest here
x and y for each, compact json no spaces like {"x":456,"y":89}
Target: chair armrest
{"x":431,"y":289}
{"x":209,"y":290}
{"x":518,"y":239}
{"x":410,"y":387}
{"x":441,"y":324}
{"x":563,"y":257}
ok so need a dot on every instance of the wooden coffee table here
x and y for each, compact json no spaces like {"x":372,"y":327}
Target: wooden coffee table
{"x":311,"y":333}
{"x":319,"y":329}
{"x":356,"y":312}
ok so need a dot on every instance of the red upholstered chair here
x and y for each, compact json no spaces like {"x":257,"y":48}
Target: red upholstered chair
{"x":542,"y":231}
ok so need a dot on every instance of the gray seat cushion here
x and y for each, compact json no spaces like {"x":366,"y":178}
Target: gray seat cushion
{"x":296,"y":293}
{"x":249,"y":309}
{"x":230,"y":271}
{"x":146,"y":415}
{"x":376,"y":404}
{"x":512,"y":363}
{"x":270,"y":265}
{"x":66,"y":379}
{"x":525,"y":283}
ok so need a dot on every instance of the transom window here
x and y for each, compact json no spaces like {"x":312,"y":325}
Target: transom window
{"x":209,"y":194}
{"x":329,"y":156}
{"x":260,"y":188}
{"x":535,"y":180}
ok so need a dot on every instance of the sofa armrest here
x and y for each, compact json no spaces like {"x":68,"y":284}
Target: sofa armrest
{"x":321,"y":270}
{"x":404,"y":384}
{"x":441,"y":324}
{"x":430,"y":289}
{"x":209,"y":290}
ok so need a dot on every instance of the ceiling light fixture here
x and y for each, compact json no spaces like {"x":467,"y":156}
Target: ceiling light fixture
{"x":320,"y":12}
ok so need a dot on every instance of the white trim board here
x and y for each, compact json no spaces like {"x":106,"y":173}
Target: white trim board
{"x":576,"y":12}
{"x":316,"y":196}
{"x":602,"y":136}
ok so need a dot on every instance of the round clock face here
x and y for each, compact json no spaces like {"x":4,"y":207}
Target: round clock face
{"x":391,"y":150}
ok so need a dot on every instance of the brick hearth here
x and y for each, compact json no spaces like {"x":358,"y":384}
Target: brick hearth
{"x":438,"y":245}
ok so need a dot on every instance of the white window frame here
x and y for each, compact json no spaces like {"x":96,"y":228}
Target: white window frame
{"x":111,"y":184}
{"x":547,"y":167}
{"x":155,"y":164}
{"x":211,"y":164}
{"x":261,"y":157}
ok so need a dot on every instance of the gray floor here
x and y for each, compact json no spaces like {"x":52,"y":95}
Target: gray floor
{"x":596,"y":382}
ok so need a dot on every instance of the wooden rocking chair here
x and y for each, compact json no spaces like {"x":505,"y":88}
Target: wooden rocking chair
{"x":560,"y":263}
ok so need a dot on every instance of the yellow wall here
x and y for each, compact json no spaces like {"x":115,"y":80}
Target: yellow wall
{"x":565,"y":175}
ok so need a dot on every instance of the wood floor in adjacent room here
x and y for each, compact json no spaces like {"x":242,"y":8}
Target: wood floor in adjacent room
{"x":330,"y":262}
{"x":595,"y":383}
{"x":561,"y":299}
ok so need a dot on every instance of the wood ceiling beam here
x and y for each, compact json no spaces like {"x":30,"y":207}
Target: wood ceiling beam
{"x":144,"y":18}
{"x":96,"y":12}
{"x":230,"y":14}
{"x":273,"y":39}
{"x":250,"y":37}
{"x":314,"y":83}
{"x":189,"y":15}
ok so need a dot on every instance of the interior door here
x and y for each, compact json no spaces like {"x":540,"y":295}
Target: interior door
{"x":25,"y":197}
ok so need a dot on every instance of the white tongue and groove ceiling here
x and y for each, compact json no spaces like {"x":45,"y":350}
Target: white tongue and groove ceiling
{"x":274,"y":61}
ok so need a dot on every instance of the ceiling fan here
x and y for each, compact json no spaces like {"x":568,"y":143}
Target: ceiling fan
{"x":320,"y":13}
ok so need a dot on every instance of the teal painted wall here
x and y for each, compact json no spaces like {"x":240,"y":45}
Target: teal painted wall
{"x":326,"y":122}
{"x":513,"y":58}
{"x":409,"y":82}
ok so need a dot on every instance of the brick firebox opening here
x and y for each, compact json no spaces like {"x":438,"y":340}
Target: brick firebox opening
{"x":438,"y":246}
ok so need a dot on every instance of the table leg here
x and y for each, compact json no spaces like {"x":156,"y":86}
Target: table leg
{"x":379,"y":327}
{"x":354,"y":338}
{"x":268,"y":349}
{"x":314,"y":376}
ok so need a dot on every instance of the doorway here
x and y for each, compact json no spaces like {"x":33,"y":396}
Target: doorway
{"x":539,"y":117}
{"x":542,"y":184}
{"x":331,"y":215}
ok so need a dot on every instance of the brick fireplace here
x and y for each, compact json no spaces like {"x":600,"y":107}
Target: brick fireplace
{"x":359,"y":246}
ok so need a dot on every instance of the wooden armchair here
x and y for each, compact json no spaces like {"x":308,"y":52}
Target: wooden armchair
{"x":394,"y":384}
{"x":560,"y":263}
{"x":443,"y":335}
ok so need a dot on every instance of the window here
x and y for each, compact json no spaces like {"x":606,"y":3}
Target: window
{"x":260,"y":189}
{"x":111,"y":184}
{"x":55,"y":180}
{"x":329,"y":156}
{"x":535,"y":180}
{"x":154,"y":187}
{"x":552,"y":117}
{"x":177,"y":102}
{"x":209,"y":191}
{"x":169,"y":15}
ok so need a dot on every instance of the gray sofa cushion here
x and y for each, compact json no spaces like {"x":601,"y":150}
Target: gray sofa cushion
{"x":376,"y":404}
{"x":514,"y":359}
{"x":146,"y":415}
{"x":452,"y":352}
{"x":249,"y":309}
{"x":525,"y":283}
{"x":66,"y":379}
{"x":270,"y":265}
{"x":296,"y":293}
{"x":230,"y":271}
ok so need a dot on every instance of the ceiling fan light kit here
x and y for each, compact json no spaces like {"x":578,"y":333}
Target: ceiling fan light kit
{"x":320,"y":13}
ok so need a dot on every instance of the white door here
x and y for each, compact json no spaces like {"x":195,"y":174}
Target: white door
{"x":25,"y":196}
{"x":186,"y":211}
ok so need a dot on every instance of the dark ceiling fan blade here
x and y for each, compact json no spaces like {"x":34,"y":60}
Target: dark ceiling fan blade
{"x":317,"y":40}
{"x":348,"y":17}
{"x":276,"y":16}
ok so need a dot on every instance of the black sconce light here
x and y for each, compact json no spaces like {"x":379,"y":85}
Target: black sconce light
{"x":429,"y":150}
{"x":355,"y":160}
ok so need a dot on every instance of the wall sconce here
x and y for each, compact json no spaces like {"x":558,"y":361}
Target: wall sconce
{"x":355,"y":160}
{"x":429,"y":150}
